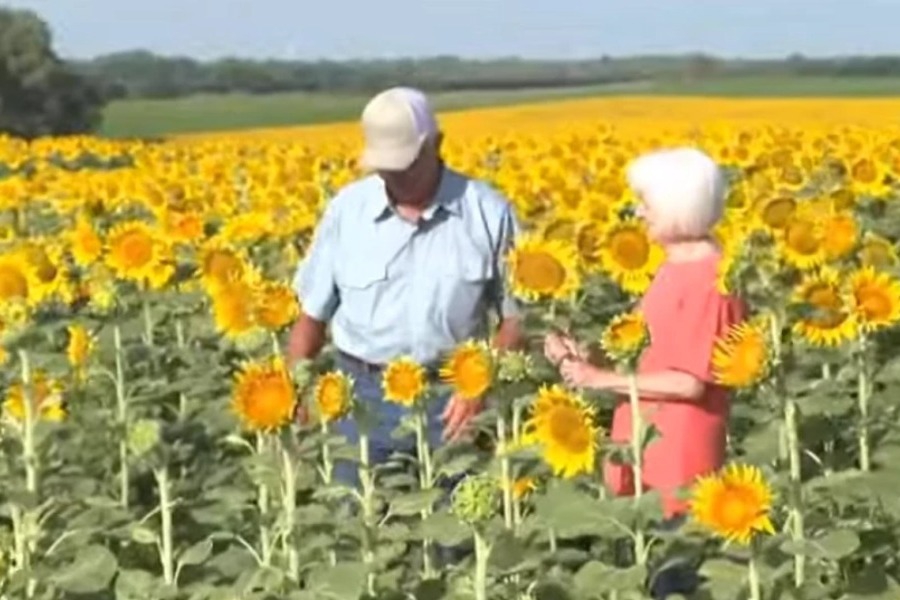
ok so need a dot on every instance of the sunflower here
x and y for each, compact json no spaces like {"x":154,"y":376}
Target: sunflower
{"x":842,"y":235}
{"x":332,"y":394}
{"x":219,"y":265}
{"x":522,"y":487}
{"x":276,"y":305}
{"x":877,"y":251}
{"x":734,"y":504}
{"x":234,"y":309}
{"x":741,"y":356}
{"x":802,"y":243}
{"x":775,"y":212}
{"x":562,"y":424}
{"x":263,"y":396}
{"x":403,"y":381}
{"x":469,"y":369}
{"x":85,"y":244}
{"x":541,"y":269}
{"x":625,"y":337}
{"x":830,"y":322}
{"x":80,"y":346}
{"x":15,"y":277}
{"x":875,"y":298}
{"x":46,"y":397}
{"x":629,"y":256}
{"x":137,"y":254}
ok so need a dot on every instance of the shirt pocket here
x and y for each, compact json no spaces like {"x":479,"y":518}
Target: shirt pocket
{"x":361,"y":287}
{"x":467,"y":281}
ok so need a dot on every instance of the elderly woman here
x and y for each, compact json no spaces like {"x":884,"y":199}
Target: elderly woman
{"x":681,"y":193}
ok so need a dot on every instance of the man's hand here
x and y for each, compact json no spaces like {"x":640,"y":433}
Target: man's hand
{"x":457,"y":414}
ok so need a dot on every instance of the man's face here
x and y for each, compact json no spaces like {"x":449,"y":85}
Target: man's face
{"x":409,"y":184}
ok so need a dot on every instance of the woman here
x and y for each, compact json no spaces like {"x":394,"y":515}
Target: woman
{"x":681,"y":194}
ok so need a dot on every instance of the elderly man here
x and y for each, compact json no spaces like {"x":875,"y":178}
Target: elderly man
{"x":408,"y":260}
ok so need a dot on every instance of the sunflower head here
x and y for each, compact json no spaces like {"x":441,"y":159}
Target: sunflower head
{"x":333,"y":393}
{"x":46,"y":399}
{"x":629,"y":256}
{"x":827,"y":320}
{"x":469,"y":369}
{"x":404,"y":381}
{"x":875,"y":299}
{"x":515,"y":366}
{"x":263,"y":395}
{"x":562,"y":425}
{"x":542,"y":269}
{"x":81,"y":344}
{"x":475,"y":499}
{"x":733,"y":504}
{"x":625,"y":338}
{"x":741,"y":357}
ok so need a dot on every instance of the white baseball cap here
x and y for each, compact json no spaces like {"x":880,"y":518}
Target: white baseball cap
{"x":395,"y":124}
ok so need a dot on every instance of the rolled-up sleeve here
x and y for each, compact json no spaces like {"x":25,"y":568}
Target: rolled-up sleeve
{"x":507,"y":305}
{"x":314,"y":280}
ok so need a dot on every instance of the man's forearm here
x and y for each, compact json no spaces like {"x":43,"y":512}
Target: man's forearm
{"x":509,"y":334}
{"x":306,"y":339}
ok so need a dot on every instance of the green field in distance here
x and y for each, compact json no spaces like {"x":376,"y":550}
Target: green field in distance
{"x":150,"y":118}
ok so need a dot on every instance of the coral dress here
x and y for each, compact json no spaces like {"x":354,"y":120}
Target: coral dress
{"x":685,"y":313}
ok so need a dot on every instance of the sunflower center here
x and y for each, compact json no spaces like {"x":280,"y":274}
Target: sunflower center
{"x":864,"y":171}
{"x":735,"y":509}
{"x":12,"y":283}
{"x":827,"y":304}
{"x":270,"y":401}
{"x":801,"y":237}
{"x":567,"y":429}
{"x":540,"y":271}
{"x":136,"y":249}
{"x":630,"y":249}
{"x":875,"y":304}
{"x":776,"y":212}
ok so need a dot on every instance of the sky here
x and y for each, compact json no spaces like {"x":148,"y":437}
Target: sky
{"x":344,"y":29}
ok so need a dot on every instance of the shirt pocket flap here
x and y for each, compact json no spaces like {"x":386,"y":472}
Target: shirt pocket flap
{"x":361,"y":274}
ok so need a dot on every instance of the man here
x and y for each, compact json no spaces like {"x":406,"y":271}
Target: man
{"x":409,"y":260}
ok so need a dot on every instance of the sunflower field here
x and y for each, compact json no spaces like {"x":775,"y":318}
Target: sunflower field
{"x":149,"y":446}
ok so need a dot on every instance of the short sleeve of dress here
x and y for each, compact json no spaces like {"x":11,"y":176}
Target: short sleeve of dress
{"x":704,"y":315}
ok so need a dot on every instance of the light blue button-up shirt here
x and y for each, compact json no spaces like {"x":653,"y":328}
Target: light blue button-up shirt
{"x":390,"y":287}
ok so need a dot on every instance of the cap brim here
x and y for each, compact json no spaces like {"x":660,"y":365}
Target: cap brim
{"x":389,"y":159}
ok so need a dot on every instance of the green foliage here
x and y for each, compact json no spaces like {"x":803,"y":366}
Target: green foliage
{"x":39,"y":93}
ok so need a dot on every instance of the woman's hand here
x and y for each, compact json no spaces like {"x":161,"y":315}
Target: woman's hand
{"x":582,"y":374}
{"x":557,"y":347}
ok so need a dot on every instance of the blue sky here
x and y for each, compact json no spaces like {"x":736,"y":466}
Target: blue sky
{"x":342,"y":29}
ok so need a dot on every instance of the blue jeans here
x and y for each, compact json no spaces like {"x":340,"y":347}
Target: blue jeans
{"x":368,"y":390}
{"x":675,"y":576}
{"x":387,"y":415}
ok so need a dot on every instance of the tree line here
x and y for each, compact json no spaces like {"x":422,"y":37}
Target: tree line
{"x":43,"y":94}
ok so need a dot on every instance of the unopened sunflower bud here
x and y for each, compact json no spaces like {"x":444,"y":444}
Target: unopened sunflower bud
{"x":143,"y":435}
{"x":515,"y":366}
{"x":475,"y":499}
{"x":302,"y":373}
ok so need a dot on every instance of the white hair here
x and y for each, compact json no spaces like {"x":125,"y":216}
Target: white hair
{"x":684,"y":187}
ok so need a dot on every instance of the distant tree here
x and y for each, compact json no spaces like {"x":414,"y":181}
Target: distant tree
{"x":39,"y":93}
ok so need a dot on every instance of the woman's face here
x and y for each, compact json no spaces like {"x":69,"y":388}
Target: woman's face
{"x":650,"y":217}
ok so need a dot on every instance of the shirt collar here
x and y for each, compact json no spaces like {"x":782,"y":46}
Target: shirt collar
{"x":446,"y":198}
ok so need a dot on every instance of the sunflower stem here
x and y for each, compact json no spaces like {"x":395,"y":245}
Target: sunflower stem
{"x":517,"y":436}
{"x":166,"y":552}
{"x":148,"y":323}
{"x":29,"y":407}
{"x":426,"y":481}
{"x":865,"y":461}
{"x":793,"y":448}
{"x":182,"y":344}
{"x":367,"y":480}
{"x":482,"y":554}
{"x":121,"y":416}
{"x":289,"y":506}
{"x":505,"y":471}
{"x":327,"y":474}
{"x":637,"y":464}
{"x":753,"y":575}
{"x":262,"y":504}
